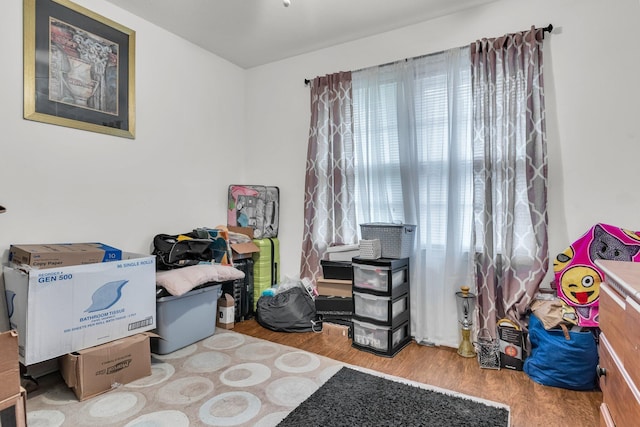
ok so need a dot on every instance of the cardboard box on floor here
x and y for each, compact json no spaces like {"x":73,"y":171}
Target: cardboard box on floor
{"x":335,"y":330}
{"x":226,"y":311}
{"x":243,"y":250}
{"x":61,"y":310}
{"x":62,"y":254}
{"x":98,"y":369}
{"x":9,"y":367}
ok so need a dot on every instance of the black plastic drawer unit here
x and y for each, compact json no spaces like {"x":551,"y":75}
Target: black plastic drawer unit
{"x":380,"y":340}
{"x":381,"y":310}
{"x":337,"y":270}
{"x":382,"y":276}
{"x":381,"y":305}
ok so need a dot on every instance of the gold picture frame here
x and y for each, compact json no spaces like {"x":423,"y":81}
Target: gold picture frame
{"x":79,"y":68}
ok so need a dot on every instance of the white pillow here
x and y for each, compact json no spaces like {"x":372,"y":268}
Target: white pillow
{"x":227,"y":273}
{"x":181,"y":280}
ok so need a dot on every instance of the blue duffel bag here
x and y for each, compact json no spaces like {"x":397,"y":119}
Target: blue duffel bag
{"x":560,"y":362}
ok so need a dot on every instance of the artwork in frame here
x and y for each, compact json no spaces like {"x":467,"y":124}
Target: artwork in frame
{"x":79,"y":68}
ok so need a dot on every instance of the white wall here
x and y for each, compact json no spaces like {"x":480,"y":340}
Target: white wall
{"x":197,"y":114}
{"x":65,"y":185}
{"x":592,"y":64}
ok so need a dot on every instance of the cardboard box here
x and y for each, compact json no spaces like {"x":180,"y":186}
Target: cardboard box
{"x":247,"y":231}
{"x":101,"y":368}
{"x":9,"y":367}
{"x":335,"y":330}
{"x":511,"y":340}
{"x":335,"y":287}
{"x":243,"y":250}
{"x":61,"y":310}
{"x":226,"y":311}
{"x":62,"y":254}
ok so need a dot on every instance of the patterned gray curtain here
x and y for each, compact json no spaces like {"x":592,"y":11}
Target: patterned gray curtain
{"x":510,"y":174}
{"x":329,"y":209}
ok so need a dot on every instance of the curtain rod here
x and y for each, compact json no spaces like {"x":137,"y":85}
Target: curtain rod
{"x":546,"y":29}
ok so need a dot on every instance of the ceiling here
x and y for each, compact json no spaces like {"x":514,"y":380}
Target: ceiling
{"x":250,"y":33}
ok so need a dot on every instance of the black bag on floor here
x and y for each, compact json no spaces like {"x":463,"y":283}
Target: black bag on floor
{"x":292,"y":310}
{"x":173,"y":251}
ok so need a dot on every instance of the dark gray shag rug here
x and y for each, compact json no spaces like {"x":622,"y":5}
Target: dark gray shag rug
{"x":354,"y":398}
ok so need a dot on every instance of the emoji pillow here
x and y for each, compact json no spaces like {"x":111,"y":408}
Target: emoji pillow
{"x":578,"y":278}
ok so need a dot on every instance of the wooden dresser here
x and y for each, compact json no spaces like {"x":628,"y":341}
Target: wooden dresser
{"x":619,"y":349}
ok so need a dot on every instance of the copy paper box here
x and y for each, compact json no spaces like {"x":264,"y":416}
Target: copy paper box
{"x":61,"y":310}
{"x":9,"y":368}
{"x":226,"y":311}
{"x":62,"y":254}
{"x":101,"y":368}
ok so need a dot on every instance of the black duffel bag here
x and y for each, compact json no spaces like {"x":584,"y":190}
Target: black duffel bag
{"x":292,"y":310}
{"x":174,"y":252}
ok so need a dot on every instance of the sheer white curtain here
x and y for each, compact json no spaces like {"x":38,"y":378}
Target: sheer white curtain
{"x":413,"y":163}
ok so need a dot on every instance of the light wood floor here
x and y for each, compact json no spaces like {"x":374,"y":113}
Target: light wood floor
{"x":531,"y":404}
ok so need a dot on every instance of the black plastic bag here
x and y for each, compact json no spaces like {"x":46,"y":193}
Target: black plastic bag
{"x":292,"y":310}
{"x":173,"y":252}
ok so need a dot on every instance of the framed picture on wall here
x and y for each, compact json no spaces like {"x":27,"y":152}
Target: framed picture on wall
{"x":79,"y":68}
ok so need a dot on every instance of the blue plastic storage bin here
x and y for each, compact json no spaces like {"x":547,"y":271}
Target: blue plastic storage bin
{"x":185,"y":319}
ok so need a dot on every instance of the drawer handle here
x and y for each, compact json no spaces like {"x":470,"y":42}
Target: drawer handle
{"x":601,"y":371}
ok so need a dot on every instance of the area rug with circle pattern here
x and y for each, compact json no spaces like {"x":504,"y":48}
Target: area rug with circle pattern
{"x":228,"y":379}
{"x":231,"y":379}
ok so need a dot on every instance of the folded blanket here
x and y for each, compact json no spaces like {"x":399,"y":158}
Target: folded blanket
{"x":179,"y":281}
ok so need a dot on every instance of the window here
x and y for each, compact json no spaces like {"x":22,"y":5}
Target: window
{"x":412,"y":139}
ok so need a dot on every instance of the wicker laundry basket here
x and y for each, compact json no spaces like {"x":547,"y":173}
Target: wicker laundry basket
{"x":488,"y":350}
{"x":396,"y":240}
